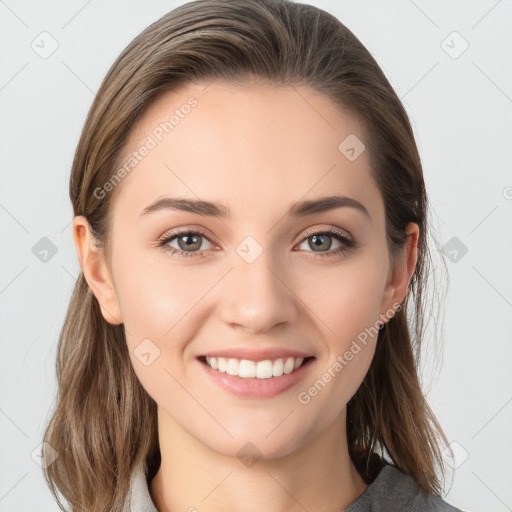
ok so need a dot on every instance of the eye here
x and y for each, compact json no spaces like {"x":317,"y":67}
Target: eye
{"x":187,"y":243}
{"x":190,"y":243}
{"x":322,"y":240}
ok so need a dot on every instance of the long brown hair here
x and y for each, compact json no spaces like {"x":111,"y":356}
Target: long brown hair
{"x":104,"y":423}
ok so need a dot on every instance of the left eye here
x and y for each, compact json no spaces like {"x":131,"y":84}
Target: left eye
{"x":323,"y":241}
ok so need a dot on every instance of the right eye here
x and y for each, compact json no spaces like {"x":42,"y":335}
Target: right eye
{"x":188,"y":243}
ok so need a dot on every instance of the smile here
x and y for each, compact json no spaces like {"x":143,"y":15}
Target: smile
{"x":257,"y":380}
{"x":248,"y":369}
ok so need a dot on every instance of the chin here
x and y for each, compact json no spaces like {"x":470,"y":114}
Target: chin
{"x":254,"y":444}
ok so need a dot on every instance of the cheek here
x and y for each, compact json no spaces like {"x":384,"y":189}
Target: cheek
{"x":348,"y":309}
{"x":158,"y":298}
{"x":346,"y":303}
{"x":161,"y":307}
{"x":346,"y":300}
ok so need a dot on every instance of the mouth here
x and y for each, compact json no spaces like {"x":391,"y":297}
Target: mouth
{"x":256,"y":370}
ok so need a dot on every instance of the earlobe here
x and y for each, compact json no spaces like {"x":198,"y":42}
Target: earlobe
{"x":401,"y":274}
{"x":95,"y":270}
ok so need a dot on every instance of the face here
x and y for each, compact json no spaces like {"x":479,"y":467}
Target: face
{"x":274,"y":273}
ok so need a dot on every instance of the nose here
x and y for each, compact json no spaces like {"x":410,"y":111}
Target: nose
{"x":257,"y":296}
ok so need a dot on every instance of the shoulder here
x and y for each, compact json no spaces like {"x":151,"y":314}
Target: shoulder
{"x":394,"y":491}
{"x":391,"y":491}
{"x":138,"y":498}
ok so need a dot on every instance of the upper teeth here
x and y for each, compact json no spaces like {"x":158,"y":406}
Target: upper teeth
{"x":249,"y":369}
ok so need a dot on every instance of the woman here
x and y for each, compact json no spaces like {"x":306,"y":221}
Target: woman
{"x":250,"y":218}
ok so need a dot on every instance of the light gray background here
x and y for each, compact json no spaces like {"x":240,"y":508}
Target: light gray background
{"x":461,"y":112}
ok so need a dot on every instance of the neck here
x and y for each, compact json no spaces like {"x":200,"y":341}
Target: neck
{"x":317,"y":476}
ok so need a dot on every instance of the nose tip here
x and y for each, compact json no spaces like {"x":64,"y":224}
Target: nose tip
{"x":256,"y":297}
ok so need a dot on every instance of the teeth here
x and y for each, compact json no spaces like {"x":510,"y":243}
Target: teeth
{"x":223,"y":364}
{"x":277,"y":368}
{"x":250,"y":369}
{"x":246,"y":369}
{"x":232,"y":368}
{"x":263,"y":369}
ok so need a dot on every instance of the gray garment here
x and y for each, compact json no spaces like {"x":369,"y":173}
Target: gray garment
{"x":394,"y":491}
{"x":391,"y":491}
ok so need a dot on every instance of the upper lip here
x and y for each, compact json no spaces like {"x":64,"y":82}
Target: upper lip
{"x":256,"y":354}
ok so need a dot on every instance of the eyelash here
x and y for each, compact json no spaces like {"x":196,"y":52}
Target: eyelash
{"x":346,"y":242}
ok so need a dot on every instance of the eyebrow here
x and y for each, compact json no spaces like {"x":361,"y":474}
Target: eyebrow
{"x":299,"y":209}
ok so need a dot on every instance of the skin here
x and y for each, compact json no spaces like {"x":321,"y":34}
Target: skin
{"x":257,"y":150}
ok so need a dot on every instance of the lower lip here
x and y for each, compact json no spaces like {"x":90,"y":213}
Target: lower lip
{"x":253,"y":387}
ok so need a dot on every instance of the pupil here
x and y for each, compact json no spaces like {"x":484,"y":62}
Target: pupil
{"x":186,"y":241}
{"x":318,"y":243}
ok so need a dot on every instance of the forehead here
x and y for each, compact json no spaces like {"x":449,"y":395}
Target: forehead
{"x":252,"y":147}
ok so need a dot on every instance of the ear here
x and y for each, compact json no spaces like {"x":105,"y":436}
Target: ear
{"x":96,"y":273}
{"x":401,"y":273}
